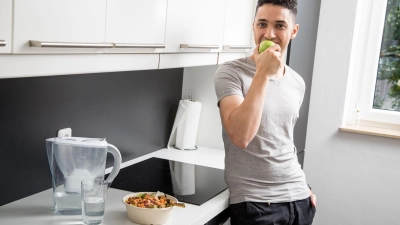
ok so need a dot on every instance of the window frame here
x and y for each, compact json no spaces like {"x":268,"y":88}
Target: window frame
{"x":368,"y":30}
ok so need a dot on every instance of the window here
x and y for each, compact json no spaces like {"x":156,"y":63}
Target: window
{"x":387,"y":85}
{"x":375,"y":65}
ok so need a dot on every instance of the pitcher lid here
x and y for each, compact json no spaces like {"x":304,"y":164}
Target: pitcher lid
{"x":80,"y":141}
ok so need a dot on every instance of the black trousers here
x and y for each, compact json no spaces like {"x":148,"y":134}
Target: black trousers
{"x":260,"y":213}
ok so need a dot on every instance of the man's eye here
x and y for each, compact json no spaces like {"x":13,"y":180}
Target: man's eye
{"x":261,"y":24}
{"x":280,"y":26}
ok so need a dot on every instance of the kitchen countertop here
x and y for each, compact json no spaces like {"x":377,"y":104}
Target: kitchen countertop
{"x":38,"y":208}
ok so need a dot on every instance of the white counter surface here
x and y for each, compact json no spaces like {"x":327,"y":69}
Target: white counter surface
{"x":38,"y":209}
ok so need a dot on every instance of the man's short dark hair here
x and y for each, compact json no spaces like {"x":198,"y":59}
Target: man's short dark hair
{"x":288,"y":4}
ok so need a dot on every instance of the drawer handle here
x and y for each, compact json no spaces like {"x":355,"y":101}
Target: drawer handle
{"x":127,"y":45}
{"x":43,"y":44}
{"x":237,"y":47}
{"x":200,"y":46}
{"x":3,"y":43}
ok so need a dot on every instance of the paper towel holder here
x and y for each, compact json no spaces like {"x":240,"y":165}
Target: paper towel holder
{"x":184,"y":130}
{"x":188,"y":149}
{"x":190,"y":97}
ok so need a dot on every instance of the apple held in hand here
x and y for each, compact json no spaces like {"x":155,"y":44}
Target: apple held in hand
{"x":264,"y":45}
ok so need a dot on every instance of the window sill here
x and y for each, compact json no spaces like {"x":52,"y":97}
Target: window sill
{"x":372,"y":130}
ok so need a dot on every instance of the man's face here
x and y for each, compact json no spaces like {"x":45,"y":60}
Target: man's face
{"x":274,"y":23}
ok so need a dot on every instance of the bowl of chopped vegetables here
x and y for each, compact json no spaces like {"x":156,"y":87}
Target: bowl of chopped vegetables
{"x":150,"y":207}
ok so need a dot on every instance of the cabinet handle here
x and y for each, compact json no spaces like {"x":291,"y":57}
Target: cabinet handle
{"x":3,"y":43}
{"x":237,"y":47}
{"x":200,"y":46}
{"x":127,"y":45}
{"x":43,"y":44}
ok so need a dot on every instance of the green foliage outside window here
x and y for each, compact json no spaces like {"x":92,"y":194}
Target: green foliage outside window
{"x":389,"y":61}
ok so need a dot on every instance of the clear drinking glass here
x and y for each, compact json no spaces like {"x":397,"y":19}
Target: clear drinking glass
{"x":93,"y":196}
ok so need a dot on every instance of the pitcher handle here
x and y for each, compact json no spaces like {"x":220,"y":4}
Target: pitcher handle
{"x":117,"y":162}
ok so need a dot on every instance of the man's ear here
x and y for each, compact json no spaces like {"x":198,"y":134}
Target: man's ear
{"x":294,"y":31}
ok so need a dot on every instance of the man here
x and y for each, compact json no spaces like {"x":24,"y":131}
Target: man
{"x":259,"y":100}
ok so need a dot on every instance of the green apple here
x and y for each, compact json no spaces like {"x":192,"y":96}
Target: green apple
{"x":264,"y":45}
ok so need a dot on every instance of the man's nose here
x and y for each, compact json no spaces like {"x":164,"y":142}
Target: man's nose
{"x":269,"y":33}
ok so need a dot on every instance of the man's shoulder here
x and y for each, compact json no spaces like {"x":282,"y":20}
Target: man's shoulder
{"x":234,"y":66}
{"x":237,"y":62}
{"x":296,"y":76}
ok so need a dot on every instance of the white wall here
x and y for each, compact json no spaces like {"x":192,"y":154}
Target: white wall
{"x":200,"y":82}
{"x":356,"y":177}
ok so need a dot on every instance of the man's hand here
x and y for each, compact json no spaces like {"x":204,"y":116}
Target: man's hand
{"x":268,"y":62}
{"x":313,"y":199}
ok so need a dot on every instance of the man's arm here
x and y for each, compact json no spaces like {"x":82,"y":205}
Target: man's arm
{"x":241,"y":116}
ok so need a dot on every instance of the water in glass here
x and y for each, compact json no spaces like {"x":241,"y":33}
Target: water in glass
{"x":93,"y":210}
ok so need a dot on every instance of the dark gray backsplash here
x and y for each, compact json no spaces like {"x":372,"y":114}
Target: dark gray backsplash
{"x":135,"y":111}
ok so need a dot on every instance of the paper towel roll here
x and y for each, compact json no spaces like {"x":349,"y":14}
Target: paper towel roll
{"x":184,"y":130}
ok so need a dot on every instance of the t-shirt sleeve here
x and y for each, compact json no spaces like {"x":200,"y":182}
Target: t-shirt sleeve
{"x":302,"y":89}
{"x":303,"y":92}
{"x":227,"y":82}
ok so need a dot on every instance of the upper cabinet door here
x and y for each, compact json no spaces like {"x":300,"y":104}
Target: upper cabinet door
{"x":5,"y":25}
{"x":195,"y":26}
{"x":136,"y":25}
{"x":238,"y":26}
{"x":63,"y":26}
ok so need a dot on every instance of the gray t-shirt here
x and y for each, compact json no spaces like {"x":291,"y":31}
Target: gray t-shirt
{"x":268,"y":169}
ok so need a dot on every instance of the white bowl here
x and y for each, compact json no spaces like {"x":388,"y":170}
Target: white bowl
{"x":148,"y":216}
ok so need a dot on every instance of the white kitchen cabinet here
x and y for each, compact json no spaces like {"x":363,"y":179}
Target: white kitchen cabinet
{"x":238,"y":24}
{"x":187,"y":60}
{"x":136,"y":25}
{"x":237,"y":41}
{"x":199,"y":25}
{"x":5,"y":26}
{"x":29,"y":65}
{"x":66,"y":21}
{"x":194,"y":32}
